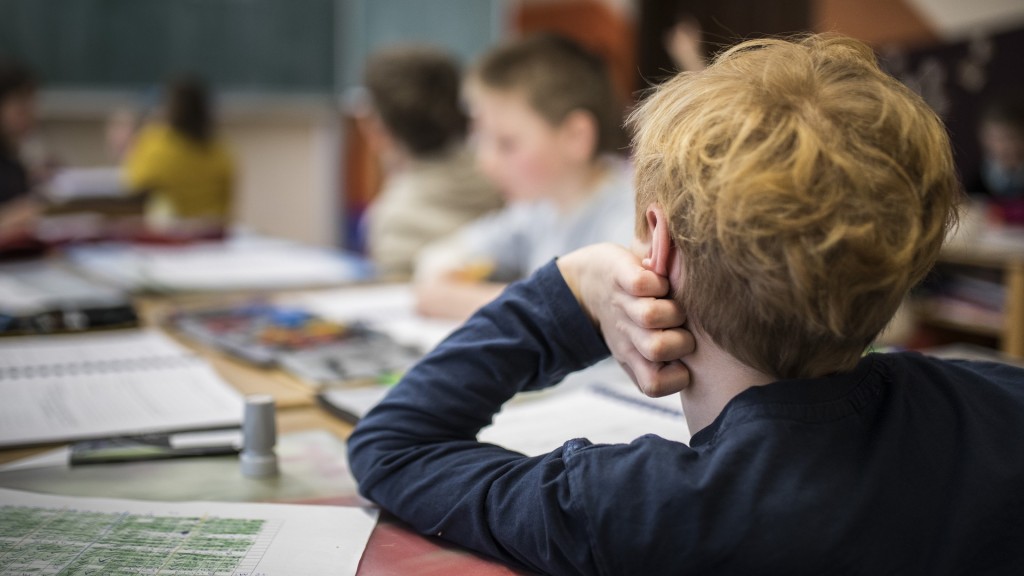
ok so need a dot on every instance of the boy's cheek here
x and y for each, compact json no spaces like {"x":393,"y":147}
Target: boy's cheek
{"x":546,"y":172}
{"x":524,"y":179}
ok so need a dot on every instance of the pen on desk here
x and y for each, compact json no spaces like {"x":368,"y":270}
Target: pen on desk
{"x":155,"y":447}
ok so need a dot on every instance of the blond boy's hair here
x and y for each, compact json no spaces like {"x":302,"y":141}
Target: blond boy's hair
{"x":557,"y":77}
{"x":807,"y":191}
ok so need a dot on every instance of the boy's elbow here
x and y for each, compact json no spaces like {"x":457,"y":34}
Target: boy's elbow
{"x":362,"y":454}
{"x":370,"y":446}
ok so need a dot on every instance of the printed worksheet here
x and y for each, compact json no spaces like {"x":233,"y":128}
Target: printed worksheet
{"x":48,"y":535}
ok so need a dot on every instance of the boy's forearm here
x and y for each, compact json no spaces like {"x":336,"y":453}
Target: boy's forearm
{"x":531,"y":337}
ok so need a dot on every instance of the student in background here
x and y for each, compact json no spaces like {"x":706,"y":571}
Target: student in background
{"x":416,"y":127}
{"x":547,"y":131}
{"x":183,"y":166}
{"x":998,"y":187}
{"x":18,"y":211}
{"x":684,"y":44}
{"x":1001,"y":133}
{"x":788,"y":197}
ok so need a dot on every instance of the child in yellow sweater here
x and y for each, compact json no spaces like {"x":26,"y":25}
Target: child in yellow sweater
{"x":187,"y":170}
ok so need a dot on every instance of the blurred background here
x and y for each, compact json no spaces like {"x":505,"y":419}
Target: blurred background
{"x":284,"y":73}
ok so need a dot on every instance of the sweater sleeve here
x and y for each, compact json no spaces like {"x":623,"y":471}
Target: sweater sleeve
{"x":416,"y":453}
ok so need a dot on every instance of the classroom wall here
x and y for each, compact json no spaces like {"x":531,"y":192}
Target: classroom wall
{"x":877,"y":22}
{"x":284,"y":67}
{"x":286,"y":154}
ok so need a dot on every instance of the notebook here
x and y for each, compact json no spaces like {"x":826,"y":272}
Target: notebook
{"x":43,"y":298}
{"x":599,"y":404}
{"x":76,"y":387}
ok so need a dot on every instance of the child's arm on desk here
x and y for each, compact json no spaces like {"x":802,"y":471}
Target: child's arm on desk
{"x":416,"y":453}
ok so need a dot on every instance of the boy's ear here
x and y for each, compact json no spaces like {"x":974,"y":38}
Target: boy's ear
{"x":662,"y":248}
{"x":376,"y":134}
{"x":579,"y":133}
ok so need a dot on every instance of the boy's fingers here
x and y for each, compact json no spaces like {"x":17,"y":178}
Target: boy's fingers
{"x":671,"y":377}
{"x":651,"y":313}
{"x":636,"y":281}
{"x":660,"y":345}
{"x":657,"y":379}
{"x":666,"y":345}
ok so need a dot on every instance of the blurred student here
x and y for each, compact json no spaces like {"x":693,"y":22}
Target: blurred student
{"x":18,"y":210}
{"x":998,"y":187}
{"x":1001,"y":133}
{"x":185,"y":169}
{"x":788,"y":196}
{"x":416,"y":127}
{"x":684,"y":44}
{"x":547,"y":131}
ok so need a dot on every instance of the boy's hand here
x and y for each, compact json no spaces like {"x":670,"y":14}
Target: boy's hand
{"x":628,"y":304}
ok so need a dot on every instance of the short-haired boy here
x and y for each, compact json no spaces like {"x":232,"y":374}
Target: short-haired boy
{"x":416,"y":126}
{"x":546,"y":129}
{"x":788,"y":197}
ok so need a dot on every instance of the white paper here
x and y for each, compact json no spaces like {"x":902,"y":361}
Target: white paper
{"x":206,"y":439}
{"x":270,"y":539}
{"x":600,"y":413}
{"x":390,"y":309}
{"x":599,"y":404}
{"x":38,"y":287}
{"x":62,"y":388}
{"x":356,"y":401}
{"x":236,"y":264}
{"x":109,"y":348}
{"x":74,"y":183}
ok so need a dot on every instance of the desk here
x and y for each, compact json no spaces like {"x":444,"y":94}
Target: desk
{"x":393,"y":548}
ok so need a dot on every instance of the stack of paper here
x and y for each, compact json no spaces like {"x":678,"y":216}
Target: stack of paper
{"x":61,"y":388}
{"x":244,"y":263}
{"x":41,"y":297}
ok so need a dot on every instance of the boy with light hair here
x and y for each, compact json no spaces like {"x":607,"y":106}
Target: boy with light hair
{"x":547,"y":132}
{"x":788,"y":197}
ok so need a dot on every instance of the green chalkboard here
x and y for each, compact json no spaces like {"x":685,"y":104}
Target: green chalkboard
{"x":464,"y":28}
{"x":244,"y":45}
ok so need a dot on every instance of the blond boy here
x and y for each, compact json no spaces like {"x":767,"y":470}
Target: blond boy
{"x":788,"y":197}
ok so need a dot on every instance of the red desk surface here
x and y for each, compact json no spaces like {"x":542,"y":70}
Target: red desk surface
{"x":395,"y":549}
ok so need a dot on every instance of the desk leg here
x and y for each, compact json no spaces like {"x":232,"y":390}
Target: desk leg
{"x":1013,"y":331}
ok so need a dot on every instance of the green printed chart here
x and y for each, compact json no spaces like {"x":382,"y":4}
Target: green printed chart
{"x":62,"y":541}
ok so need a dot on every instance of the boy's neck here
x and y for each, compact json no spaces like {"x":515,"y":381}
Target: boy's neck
{"x":716,"y":377}
{"x":579,"y":186}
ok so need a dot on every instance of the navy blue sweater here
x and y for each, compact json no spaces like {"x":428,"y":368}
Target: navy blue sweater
{"x":906,"y":465}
